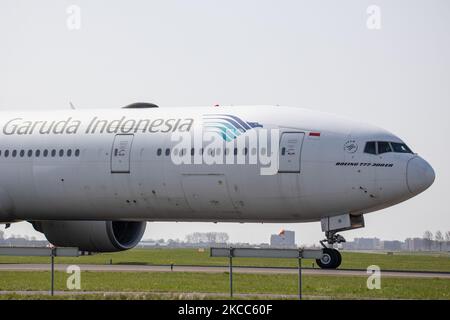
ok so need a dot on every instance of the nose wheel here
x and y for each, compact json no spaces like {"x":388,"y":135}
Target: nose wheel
{"x":331,"y":259}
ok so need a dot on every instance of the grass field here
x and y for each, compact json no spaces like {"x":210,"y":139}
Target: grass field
{"x":175,"y":285}
{"x":400,"y":261}
{"x":329,"y":287}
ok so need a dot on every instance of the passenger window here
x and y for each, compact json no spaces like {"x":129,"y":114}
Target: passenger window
{"x":370,"y":148}
{"x":38,"y":153}
{"x":30,"y":153}
{"x":14,"y":153}
{"x":61,"y":153}
{"x":384,"y":147}
{"x":159,"y":152}
{"x":167,"y":151}
{"x":6,"y":153}
{"x":69,"y":152}
{"x":45,"y":153}
{"x":77,"y":153}
{"x":53,"y":153}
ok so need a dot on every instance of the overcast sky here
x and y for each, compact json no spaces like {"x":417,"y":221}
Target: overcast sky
{"x":389,"y":67}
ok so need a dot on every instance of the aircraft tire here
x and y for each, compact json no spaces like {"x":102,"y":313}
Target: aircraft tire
{"x":331,"y":259}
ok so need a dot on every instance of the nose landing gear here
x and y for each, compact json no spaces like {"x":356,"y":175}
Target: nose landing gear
{"x":331,"y":258}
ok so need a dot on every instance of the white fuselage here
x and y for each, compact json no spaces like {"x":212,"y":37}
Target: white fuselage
{"x":117,"y":167}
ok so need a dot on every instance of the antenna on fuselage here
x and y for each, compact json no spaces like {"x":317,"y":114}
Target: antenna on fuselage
{"x":71,"y":105}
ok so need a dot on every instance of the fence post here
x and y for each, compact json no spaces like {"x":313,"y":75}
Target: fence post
{"x":52,"y":290}
{"x":231,"y":272}
{"x":300,"y":275}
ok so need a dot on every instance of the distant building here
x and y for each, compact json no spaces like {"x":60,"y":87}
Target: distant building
{"x":394,"y":245}
{"x":284,"y":239}
{"x":349,"y":245}
{"x":363,"y":244}
{"x":151,"y":244}
{"x":415,"y":244}
{"x":367,"y":243}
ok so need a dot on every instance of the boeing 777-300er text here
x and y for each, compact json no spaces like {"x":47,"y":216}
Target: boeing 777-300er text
{"x":93,"y":178}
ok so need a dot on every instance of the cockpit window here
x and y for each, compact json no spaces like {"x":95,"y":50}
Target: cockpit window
{"x":384,"y":147}
{"x":380,"y":147}
{"x":370,"y":147}
{"x":400,"y":147}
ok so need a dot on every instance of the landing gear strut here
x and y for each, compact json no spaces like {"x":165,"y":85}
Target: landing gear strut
{"x":331,"y":258}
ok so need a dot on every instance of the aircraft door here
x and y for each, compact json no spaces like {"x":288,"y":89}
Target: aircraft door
{"x":290,"y":149}
{"x":120,"y":154}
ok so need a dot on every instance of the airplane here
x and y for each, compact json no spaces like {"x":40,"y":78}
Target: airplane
{"x":93,"y":178}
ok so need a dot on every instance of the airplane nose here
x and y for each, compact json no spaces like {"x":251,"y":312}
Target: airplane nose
{"x":419,"y":175}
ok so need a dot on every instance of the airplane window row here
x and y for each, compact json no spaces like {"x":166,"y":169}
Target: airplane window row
{"x":380,"y":147}
{"x":38,"y":153}
{"x":210,"y":151}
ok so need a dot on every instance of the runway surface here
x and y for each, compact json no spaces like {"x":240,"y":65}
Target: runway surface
{"x":220,"y":269}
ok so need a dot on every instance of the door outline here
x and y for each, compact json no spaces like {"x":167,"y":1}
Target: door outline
{"x":302,"y":138}
{"x":125,"y":164}
{"x":199,"y":199}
